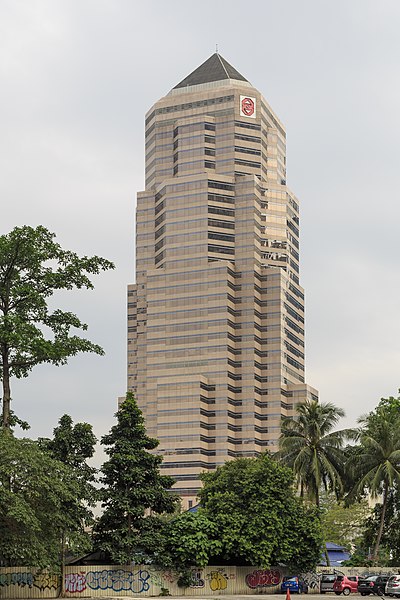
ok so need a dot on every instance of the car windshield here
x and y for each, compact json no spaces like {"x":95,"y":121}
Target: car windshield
{"x":372,"y":578}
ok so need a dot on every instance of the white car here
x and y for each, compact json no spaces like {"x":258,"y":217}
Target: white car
{"x":393,"y":586}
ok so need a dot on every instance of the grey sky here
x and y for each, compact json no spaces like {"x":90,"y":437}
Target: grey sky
{"x":76,"y":78}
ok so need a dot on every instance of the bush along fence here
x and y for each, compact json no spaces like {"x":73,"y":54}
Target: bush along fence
{"x":148,"y":580}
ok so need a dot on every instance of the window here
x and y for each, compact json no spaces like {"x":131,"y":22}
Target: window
{"x":209,"y":165}
{"x":228,"y":212}
{"x":221,"y":249}
{"x":221,"y":186}
{"x":221,"y":198}
{"x":222,"y":224}
{"x":225,"y":237}
{"x":247,"y":150}
{"x":248,"y":163}
{"x":248,"y":125}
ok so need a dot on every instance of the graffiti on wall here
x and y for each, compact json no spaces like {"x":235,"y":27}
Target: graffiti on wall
{"x":162,"y":578}
{"x":218,"y":580}
{"x":197,"y":579}
{"x":311,"y":579}
{"x":117,"y":580}
{"x":42,"y":581}
{"x":261,"y":578}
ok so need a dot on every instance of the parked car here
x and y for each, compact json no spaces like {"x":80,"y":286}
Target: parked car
{"x":345,"y":585}
{"x":326,"y":583}
{"x":294,"y":584}
{"x":373,"y":584}
{"x":393,"y":586}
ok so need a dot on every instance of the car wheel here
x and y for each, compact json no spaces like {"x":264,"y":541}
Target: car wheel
{"x":363,"y":593}
{"x":346,"y":591}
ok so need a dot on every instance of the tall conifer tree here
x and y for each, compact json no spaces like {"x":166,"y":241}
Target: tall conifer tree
{"x":134,"y":493}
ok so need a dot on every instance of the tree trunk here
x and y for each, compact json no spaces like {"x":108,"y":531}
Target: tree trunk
{"x":6,"y":392}
{"x":328,"y":562}
{"x":382,"y":523}
{"x":62,"y":587}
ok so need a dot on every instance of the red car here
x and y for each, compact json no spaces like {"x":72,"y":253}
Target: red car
{"x":345,"y":585}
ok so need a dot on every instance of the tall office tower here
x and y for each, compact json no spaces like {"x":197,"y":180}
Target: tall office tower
{"x":216,"y":317}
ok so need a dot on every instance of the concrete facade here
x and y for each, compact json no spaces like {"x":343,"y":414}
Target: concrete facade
{"x":216,"y":317}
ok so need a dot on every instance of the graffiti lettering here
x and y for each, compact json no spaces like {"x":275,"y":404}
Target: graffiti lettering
{"x":197,"y":580}
{"x":263,"y":578}
{"x":311,"y":579}
{"x":117,"y":580}
{"x":21,"y":579}
{"x":75,"y":582}
{"x":218,"y":580}
{"x":160,"y":578}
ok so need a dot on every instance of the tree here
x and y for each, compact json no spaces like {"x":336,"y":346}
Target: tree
{"x":342,"y":524}
{"x":375,"y":462}
{"x":34,"y":491}
{"x":314,"y":452}
{"x":310,"y":447}
{"x":190,"y":540}
{"x":32,"y":267}
{"x":134,"y":494}
{"x":73,"y":445}
{"x":389,"y":548}
{"x":260,"y":519}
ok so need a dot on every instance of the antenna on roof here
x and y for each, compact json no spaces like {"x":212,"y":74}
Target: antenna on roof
{"x":216,"y":48}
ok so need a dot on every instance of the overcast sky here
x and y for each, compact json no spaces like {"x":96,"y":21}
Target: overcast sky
{"x":76,"y":78}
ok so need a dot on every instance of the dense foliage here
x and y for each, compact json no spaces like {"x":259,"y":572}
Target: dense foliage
{"x":259,"y":518}
{"x":374,"y":465}
{"x":73,"y":445}
{"x":32,"y":267}
{"x":343,"y":524}
{"x":38,"y":502}
{"x":133,"y":492}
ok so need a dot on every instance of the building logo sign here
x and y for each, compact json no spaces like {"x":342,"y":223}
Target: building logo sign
{"x":247,"y":107}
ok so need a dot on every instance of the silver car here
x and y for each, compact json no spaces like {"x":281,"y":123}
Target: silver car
{"x":326,"y":584}
{"x":393,"y":586}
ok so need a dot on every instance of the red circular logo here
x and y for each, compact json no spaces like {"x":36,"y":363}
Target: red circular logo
{"x":248,"y":107}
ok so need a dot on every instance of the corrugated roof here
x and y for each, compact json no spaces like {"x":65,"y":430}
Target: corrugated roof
{"x":215,"y":68}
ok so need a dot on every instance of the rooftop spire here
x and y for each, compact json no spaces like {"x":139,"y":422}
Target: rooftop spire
{"x":214,"y":68}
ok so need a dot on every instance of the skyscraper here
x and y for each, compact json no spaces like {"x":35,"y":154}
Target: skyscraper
{"x":216,"y":317}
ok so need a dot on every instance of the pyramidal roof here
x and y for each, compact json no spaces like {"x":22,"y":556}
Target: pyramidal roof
{"x":215,"y":68}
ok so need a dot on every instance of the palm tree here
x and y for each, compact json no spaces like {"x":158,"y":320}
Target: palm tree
{"x":375,"y":463}
{"x":315,"y":453}
{"x":310,"y":447}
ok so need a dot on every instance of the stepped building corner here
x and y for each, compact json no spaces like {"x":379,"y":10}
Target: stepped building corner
{"x":216,"y":317}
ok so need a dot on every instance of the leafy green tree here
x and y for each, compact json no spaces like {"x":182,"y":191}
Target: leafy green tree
{"x":32,"y":267}
{"x":134,"y":494}
{"x":259,"y":518}
{"x":34,"y":491}
{"x":389,"y":550}
{"x":190,"y":539}
{"x":74,"y":445}
{"x":375,"y":462}
{"x":342,"y":524}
